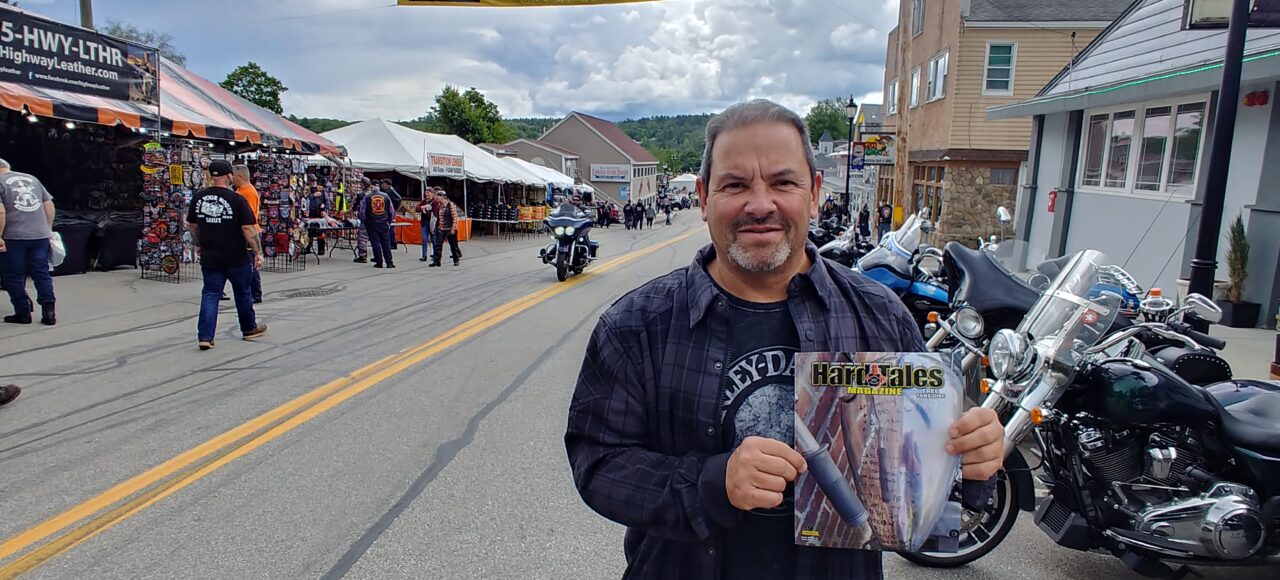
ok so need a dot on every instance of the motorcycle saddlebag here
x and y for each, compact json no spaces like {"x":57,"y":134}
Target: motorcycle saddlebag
{"x":1195,"y":367}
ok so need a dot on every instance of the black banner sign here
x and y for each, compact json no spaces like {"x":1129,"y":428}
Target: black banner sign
{"x":39,"y":52}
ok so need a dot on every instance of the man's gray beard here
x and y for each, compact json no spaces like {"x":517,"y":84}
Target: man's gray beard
{"x":745,"y":260}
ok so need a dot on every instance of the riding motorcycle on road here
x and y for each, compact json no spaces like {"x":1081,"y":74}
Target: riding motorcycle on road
{"x":1139,"y":462}
{"x":573,"y":249}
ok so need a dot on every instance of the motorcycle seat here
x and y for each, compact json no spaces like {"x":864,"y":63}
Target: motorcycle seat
{"x":985,"y":286}
{"x":1250,"y":413}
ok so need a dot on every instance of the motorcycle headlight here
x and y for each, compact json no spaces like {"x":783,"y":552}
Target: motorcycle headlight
{"x":1007,"y":352}
{"x":969,"y":323}
{"x":559,"y":230}
{"x":568,"y":231}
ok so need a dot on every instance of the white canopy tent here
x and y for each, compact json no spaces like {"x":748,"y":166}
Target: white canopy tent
{"x":547,"y":174}
{"x":688,"y":181}
{"x":380,"y":145}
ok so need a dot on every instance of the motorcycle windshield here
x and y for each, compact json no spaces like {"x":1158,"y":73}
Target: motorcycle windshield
{"x":1071,"y":316}
{"x":896,"y":249}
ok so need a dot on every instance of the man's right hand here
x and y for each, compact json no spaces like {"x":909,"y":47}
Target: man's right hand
{"x":2,"y":246}
{"x":758,"y":473}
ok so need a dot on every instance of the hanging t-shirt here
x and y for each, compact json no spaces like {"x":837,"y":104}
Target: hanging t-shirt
{"x":221,"y":213}
{"x":758,"y":399}
{"x":23,"y":197}
{"x":316,"y":206}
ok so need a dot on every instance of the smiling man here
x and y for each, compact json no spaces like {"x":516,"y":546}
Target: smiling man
{"x":681,"y":425}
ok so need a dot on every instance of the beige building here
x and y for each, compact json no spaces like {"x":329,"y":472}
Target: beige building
{"x":610,"y":161}
{"x":946,"y":63}
{"x":547,"y":155}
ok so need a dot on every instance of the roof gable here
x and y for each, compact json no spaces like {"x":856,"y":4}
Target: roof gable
{"x":616,"y":137}
{"x":561,"y":151}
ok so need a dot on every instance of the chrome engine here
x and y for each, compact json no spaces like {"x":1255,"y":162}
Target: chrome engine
{"x":1146,"y":477}
{"x":1223,"y":523}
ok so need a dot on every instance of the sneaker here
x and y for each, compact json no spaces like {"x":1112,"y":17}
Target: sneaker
{"x":360,"y":261}
{"x":206,"y":344}
{"x":391,"y":265}
{"x":8,"y":393}
{"x":256,"y":333}
{"x":456,"y":261}
{"x":47,"y":315}
{"x":377,"y":265}
{"x":15,"y":319}
{"x":422,"y":259}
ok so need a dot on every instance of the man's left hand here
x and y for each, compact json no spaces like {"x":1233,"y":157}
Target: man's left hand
{"x":979,"y":438}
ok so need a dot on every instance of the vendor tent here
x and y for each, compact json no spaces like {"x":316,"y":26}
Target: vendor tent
{"x":547,"y":174}
{"x":687,"y":181}
{"x":380,"y":145}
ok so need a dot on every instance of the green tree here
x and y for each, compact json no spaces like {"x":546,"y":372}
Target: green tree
{"x":160,"y":40}
{"x":531,"y":127}
{"x":318,"y":124}
{"x":827,"y":116}
{"x":256,"y":86}
{"x":468,"y":115}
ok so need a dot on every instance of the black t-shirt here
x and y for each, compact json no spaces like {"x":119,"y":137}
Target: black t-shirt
{"x":757,"y":398}
{"x":315,"y":205}
{"x":221,"y":213}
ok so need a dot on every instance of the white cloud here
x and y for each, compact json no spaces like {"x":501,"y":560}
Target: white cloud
{"x":342,"y":58}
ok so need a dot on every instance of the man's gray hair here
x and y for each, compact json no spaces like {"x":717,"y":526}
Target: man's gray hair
{"x":751,"y":113}
{"x":5,"y":164}
{"x":240,"y":170}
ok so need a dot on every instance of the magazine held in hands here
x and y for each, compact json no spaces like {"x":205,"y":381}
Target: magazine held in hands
{"x":873,"y":427}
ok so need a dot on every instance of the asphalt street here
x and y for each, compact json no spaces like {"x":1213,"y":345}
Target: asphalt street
{"x":430,"y":447}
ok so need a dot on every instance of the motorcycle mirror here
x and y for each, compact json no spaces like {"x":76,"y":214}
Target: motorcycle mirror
{"x":1003,"y":215}
{"x":1205,"y":308}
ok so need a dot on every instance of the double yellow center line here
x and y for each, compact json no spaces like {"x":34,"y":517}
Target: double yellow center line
{"x":138,"y":493}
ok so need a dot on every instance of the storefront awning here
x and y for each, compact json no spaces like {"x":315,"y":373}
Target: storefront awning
{"x":190,"y":106}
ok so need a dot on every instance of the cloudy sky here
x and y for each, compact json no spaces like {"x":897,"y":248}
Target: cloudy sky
{"x":357,"y":59}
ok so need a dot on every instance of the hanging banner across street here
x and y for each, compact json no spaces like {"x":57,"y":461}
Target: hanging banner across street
{"x":39,"y":52}
{"x":514,"y":3}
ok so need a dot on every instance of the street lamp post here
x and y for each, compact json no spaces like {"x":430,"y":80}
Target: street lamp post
{"x":850,"y":112}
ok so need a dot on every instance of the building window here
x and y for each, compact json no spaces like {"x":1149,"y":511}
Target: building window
{"x":1003,"y":176}
{"x":927,"y":187}
{"x":917,"y":17}
{"x":1144,"y":150}
{"x":915,"y":88}
{"x":998,"y":77}
{"x":892,"y":94}
{"x":937,"y":77}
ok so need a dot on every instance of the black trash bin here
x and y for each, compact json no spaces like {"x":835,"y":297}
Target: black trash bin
{"x":75,"y":237}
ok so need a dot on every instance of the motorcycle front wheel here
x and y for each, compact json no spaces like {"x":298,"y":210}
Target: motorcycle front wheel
{"x":980,"y":531}
{"x":562,"y":268}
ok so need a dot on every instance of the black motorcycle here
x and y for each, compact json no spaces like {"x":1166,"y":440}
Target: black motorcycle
{"x":1139,"y":462}
{"x":823,"y":233}
{"x":573,"y":248}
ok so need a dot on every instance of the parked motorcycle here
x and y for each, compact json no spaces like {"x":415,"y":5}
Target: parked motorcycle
{"x":895,"y":264}
{"x":572,"y":249}
{"x":847,"y":249}
{"x":823,"y":233}
{"x":1139,"y":462}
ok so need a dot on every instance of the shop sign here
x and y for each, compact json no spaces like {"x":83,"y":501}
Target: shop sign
{"x":441,"y":165}
{"x":858,"y":156}
{"x":616,"y":173}
{"x":514,"y":3}
{"x":39,"y":52}
{"x":626,"y":192}
{"x":879,"y":148}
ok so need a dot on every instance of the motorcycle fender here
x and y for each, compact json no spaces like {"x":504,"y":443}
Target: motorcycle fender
{"x":1015,"y":466}
{"x":930,"y":291}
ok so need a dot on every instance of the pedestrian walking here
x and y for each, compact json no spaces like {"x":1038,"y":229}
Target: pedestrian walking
{"x":26,"y":226}
{"x":427,"y":219}
{"x":864,"y":222}
{"x":885,"y":222}
{"x":221,"y":222}
{"x":244,"y":186}
{"x":667,"y":210}
{"x":649,"y":214}
{"x":679,"y":430}
{"x":446,"y":229}
{"x":396,"y":198}
{"x":627,"y":215}
{"x":377,"y":214}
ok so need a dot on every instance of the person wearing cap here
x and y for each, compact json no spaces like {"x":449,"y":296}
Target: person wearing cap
{"x":222,"y":222}
{"x":446,"y":229}
{"x":396,"y":198}
{"x":244,"y":186}
{"x":427,"y":215}
{"x":377,"y":214}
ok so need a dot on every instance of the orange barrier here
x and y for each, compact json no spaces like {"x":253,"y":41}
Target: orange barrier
{"x":464,"y":229}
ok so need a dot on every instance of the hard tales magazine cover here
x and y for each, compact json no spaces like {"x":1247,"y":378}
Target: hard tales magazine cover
{"x":872,"y":427}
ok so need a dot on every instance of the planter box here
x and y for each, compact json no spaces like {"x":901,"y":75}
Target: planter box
{"x":1220,"y":288}
{"x":1239,"y":314}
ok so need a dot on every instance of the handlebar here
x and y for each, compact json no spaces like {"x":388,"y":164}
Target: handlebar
{"x":1200,"y":337}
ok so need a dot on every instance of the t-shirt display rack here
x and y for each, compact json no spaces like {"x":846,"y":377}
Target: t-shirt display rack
{"x":172,"y":169}
{"x":280,"y":180}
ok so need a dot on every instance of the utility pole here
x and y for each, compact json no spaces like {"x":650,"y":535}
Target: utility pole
{"x":901,"y":171}
{"x":1205,"y":264}
{"x":86,"y":14}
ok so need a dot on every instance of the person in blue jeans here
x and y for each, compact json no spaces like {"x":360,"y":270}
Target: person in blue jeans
{"x":221,"y":222}
{"x":26,"y":225}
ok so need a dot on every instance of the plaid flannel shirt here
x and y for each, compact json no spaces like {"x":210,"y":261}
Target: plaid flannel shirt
{"x":644,"y":435}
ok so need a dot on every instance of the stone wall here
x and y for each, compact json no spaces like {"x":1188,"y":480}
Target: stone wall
{"x":969,"y":203}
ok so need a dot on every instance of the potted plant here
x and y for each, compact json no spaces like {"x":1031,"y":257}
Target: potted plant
{"x":1237,"y":313}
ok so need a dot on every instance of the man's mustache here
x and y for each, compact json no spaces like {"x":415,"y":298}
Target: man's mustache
{"x":773,"y":220}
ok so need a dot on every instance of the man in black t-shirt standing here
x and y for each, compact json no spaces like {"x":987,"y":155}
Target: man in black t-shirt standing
{"x":221,"y":222}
